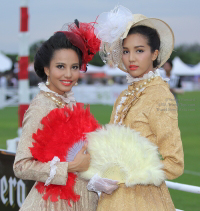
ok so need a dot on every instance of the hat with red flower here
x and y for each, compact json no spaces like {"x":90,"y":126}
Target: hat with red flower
{"x":82,"y":36}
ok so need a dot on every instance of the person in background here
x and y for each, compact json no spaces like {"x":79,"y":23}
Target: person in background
{"x":175,"y":81}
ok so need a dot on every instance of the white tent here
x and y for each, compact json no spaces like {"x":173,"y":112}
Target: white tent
{"x":181,"y":69}
{"x":5,"y":63}
{"x":105,"y":69}
{"x":196,"y":69}
{"x":113,"y":71}
{"x":94,"y":69}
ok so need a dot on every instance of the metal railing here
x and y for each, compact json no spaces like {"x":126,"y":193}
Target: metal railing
{"x":183,"y":187}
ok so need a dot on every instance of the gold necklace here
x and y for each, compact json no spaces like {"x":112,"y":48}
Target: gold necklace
{"x":126,"y":102}
{"x":137,"y":89}
{"x":59,"y":103}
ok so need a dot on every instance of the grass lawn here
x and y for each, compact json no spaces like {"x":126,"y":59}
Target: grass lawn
{"x":189,"y":123}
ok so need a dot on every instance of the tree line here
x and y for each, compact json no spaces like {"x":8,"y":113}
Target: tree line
{"x":189,"y":54}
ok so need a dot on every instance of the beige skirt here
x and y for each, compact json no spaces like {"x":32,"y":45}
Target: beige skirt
{"x":137,"y":198}
{"x":88,"y":200}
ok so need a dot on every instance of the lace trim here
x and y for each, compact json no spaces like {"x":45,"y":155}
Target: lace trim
{"x":123,"y":99}
{"x":156,"y":73}
{"x":124,"y":106}
{"x":67,"y":97}
{"x":91,"y":184}
{"x":53,"y":170}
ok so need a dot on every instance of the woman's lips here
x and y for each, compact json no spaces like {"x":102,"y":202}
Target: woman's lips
{"x":66,"y":83}
{"x":133,"y":67}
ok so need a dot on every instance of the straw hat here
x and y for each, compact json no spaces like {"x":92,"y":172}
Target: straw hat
{"x":113,"y":27}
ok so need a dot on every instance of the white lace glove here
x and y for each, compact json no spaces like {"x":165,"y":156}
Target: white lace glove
{"x":99,"y":184}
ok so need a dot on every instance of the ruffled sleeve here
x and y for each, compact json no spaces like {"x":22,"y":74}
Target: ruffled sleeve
{"x":163,"y":120}
{"x":25,"y":167}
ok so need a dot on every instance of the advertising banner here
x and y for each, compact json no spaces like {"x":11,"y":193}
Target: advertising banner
{"x":13,"y":191}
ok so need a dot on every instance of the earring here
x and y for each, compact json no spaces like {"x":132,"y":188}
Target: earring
{"x":76,"y":84}
{"x":47,"y":82}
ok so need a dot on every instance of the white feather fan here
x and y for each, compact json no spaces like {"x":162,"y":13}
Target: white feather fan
{"x":120,"y":153}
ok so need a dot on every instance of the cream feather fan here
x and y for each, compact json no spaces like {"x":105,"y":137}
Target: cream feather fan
{"x":120,"y":153}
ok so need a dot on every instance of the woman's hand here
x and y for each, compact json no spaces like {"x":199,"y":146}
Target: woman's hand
{"x":81,"y":161}
{"x":99,"y":184}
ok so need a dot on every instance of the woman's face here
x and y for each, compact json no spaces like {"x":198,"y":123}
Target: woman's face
{"x":63,"y":71}
{"x":137,"y":56}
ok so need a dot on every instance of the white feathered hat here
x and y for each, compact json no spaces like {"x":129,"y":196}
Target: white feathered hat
{"x":112,"y":27}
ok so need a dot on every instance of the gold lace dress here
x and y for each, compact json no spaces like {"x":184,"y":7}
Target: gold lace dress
{"x":154,"y":114}
{"x":25,"y":167}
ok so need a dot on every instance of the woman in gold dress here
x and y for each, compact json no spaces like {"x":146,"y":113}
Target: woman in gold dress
{"x":139,"y":46}
{"x":58,"y":62}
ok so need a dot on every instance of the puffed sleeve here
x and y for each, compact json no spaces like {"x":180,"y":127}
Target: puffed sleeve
{"x":163,"y":120}
{"x":25,"y":167}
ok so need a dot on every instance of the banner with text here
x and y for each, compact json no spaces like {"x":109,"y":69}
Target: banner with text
{"x":13,"y":191}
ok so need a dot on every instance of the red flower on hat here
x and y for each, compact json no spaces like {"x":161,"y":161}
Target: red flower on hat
{"x":86,"y":32}
{"x":82,"y":36}
{"x":91,"y":41}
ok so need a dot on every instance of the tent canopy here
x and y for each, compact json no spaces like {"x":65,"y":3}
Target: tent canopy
{"x":91,"y":69}
{"x":181,"y":69}
{"x":113,"y":71}
{"x":5,"y":63}
{"x":196,"y":68}
{"x":94,"y":69}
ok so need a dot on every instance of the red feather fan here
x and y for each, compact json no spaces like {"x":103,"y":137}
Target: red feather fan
{"x":62,"y":128}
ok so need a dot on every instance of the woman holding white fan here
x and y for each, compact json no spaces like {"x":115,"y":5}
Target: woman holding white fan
{"x":142,"y":145}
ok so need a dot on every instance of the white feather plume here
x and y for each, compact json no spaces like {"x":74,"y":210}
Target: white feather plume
{"x":111,"y":25}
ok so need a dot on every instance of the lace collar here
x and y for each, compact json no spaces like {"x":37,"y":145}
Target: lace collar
{"x":155,"y":73}
{"x":67,"y":97}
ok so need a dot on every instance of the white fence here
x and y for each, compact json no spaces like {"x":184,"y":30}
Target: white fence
{"x":183,"y":187}
{"x":8,"y":97}
{"x":88,"y":94}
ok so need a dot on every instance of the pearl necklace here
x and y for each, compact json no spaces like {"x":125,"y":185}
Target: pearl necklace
{"x":58,"y":103}
{"x":126,"y":101}
{"x":141,"y":86}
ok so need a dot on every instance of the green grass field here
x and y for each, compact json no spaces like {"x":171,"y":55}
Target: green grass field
{"x":189,"y":123}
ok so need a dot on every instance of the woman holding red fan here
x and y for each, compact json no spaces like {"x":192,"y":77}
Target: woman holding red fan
{"x":49,"y":123}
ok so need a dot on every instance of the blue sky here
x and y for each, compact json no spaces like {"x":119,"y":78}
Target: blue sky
{"x":48,"y":16}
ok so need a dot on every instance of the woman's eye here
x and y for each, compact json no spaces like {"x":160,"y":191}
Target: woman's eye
{"x":60,"y":66}
{"x":75,"y":67}
{"x":125,"y":52}
{"x":139,"y":51}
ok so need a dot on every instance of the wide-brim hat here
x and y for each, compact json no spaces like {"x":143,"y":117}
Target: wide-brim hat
{"x":114,"y":26}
